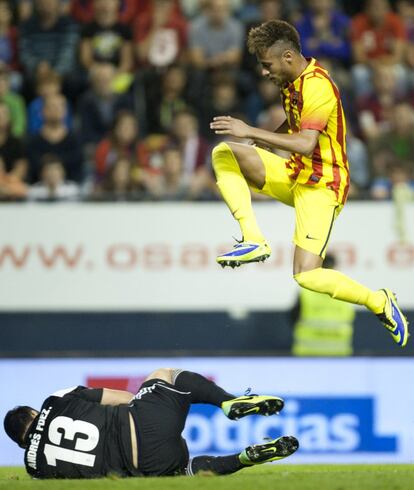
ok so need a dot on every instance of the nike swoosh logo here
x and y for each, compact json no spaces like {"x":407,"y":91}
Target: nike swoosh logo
{"x":253,"y":410}
{"x":310,"y":237}
{"x":397,"y":338}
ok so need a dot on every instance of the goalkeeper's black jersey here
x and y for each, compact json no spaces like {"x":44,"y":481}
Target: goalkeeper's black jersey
{"x":74,"y":436}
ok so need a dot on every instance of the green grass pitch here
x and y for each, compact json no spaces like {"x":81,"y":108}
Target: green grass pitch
{"x":269,"y":477}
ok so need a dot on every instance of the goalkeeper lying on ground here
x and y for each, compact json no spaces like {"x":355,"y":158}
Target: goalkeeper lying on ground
{"x":91,"y":433}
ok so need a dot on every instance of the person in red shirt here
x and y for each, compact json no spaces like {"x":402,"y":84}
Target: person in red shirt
{"x":123,"y":142}
{"x":378,"y":37}
{"x":160,"y":35}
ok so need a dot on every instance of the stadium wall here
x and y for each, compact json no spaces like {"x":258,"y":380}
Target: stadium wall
{"x":342,"y":410}
{"x":161,"y":257}
{"x":142,"y":278}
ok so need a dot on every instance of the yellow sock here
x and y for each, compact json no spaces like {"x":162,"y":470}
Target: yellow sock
{"x":235,"y":192}
{"x":342,"y":287}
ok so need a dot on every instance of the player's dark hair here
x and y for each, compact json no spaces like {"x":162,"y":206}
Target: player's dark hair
{"x":16,"y":422}
{"x":269,"y":33}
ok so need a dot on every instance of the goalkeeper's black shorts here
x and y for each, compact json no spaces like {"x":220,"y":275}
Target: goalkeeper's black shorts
{"x":160,"y":411}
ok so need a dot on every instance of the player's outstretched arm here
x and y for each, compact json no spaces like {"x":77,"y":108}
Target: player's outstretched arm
{"x":303,"y":142}
{"x":116,"y":397}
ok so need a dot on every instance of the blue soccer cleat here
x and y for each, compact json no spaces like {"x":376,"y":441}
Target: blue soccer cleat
{"x":244,"y":253}
{"x":393,"y":319}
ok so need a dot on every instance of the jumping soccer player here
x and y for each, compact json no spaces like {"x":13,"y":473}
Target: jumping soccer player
{"x":314,"y":180}
{"x":92,"y":433}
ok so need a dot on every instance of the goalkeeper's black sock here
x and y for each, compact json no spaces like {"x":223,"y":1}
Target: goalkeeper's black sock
{"x":202,"y":390}
{"x":220,"y":465}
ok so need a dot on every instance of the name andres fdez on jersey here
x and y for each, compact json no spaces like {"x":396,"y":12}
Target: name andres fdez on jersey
{"x":35,"y":438}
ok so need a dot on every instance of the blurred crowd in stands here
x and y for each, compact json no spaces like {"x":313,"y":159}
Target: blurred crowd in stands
{"x":112,"y":99}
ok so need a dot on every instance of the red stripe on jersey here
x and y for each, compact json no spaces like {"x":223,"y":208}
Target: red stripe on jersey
{"x":331,"y":184}
{"x":292,"y":121}
{"x":300,"y":99}
{"x":340,"y":133}
{"x":339,"y":118}
{"x":299,"y":166}
{"x":317,"y":166}
{"x":346,"y":189}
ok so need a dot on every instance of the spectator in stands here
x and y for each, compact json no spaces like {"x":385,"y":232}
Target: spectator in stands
{"x":12,"y":188}
{"x":123,"y":142}
{"x":160,"y":35}
{"x":375,"y":110}
{"x":405,"y":9}
{"x":106,"y":39}
{"x":402,"y":194}
{"x":48,"y":41}
{"x":195,"y":149}
{"x":24,"y":8}
{"x":14,"y":102}
{"x":215,"y":46}
{"x":169,"y":184}
{"x":12,"y":151}
{"x":118,"y":184}
{"x":151,"y":157}
{"x":216,"y":38}
{"x":8,"y":44}
{"x":54,"y":138}
{"x":268,"y":10}
{"x":324,"y":32}
{"x":192,"y":8}
{"x":396,"y":144}
{"x":99,"y":105}
{"x":378,"y":39}
{"x":53,"y":185}
{"x":83,"y":10}
{"x":13,"y":163}
{"x":166,"y":98}
{"x":222,"y":102}
{"x":398,"y":178}
{"x":266,"y":95}
{"x":359,"y":165}
{"x":49,"y":84}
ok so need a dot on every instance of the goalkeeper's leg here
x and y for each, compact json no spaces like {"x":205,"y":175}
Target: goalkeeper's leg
{"x":253,"y":455}
{"x":202,"y":390}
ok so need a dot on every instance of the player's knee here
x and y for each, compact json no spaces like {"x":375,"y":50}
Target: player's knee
{"x":302,"y":278}
{"x":219,"y":151}
{"x":166,"y":374}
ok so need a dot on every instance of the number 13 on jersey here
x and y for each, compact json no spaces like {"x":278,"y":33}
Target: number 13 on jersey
{"x":67,"y":428}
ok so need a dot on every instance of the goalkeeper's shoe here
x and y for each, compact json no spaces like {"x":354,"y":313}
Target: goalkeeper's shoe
{"x":244,"y":253}
{"x":238,"y":408}
{"x":271,"y":451}
{"x":393,"y":319}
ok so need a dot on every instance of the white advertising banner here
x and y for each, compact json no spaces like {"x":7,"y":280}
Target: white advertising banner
{"x":162,"y":256}
{"x":341,"y":410}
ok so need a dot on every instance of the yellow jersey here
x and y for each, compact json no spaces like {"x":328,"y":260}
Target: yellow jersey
{"x":312,"y":101}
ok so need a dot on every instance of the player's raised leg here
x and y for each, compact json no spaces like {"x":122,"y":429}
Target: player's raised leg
{"x":316,"y":212}
{"x":253,"y":455}
{"x":236,"y":166}
{"x":202,"y":390}
{"x":309,"y":274}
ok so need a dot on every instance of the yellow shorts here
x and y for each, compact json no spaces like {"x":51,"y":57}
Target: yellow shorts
{"x":316,"y":208}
